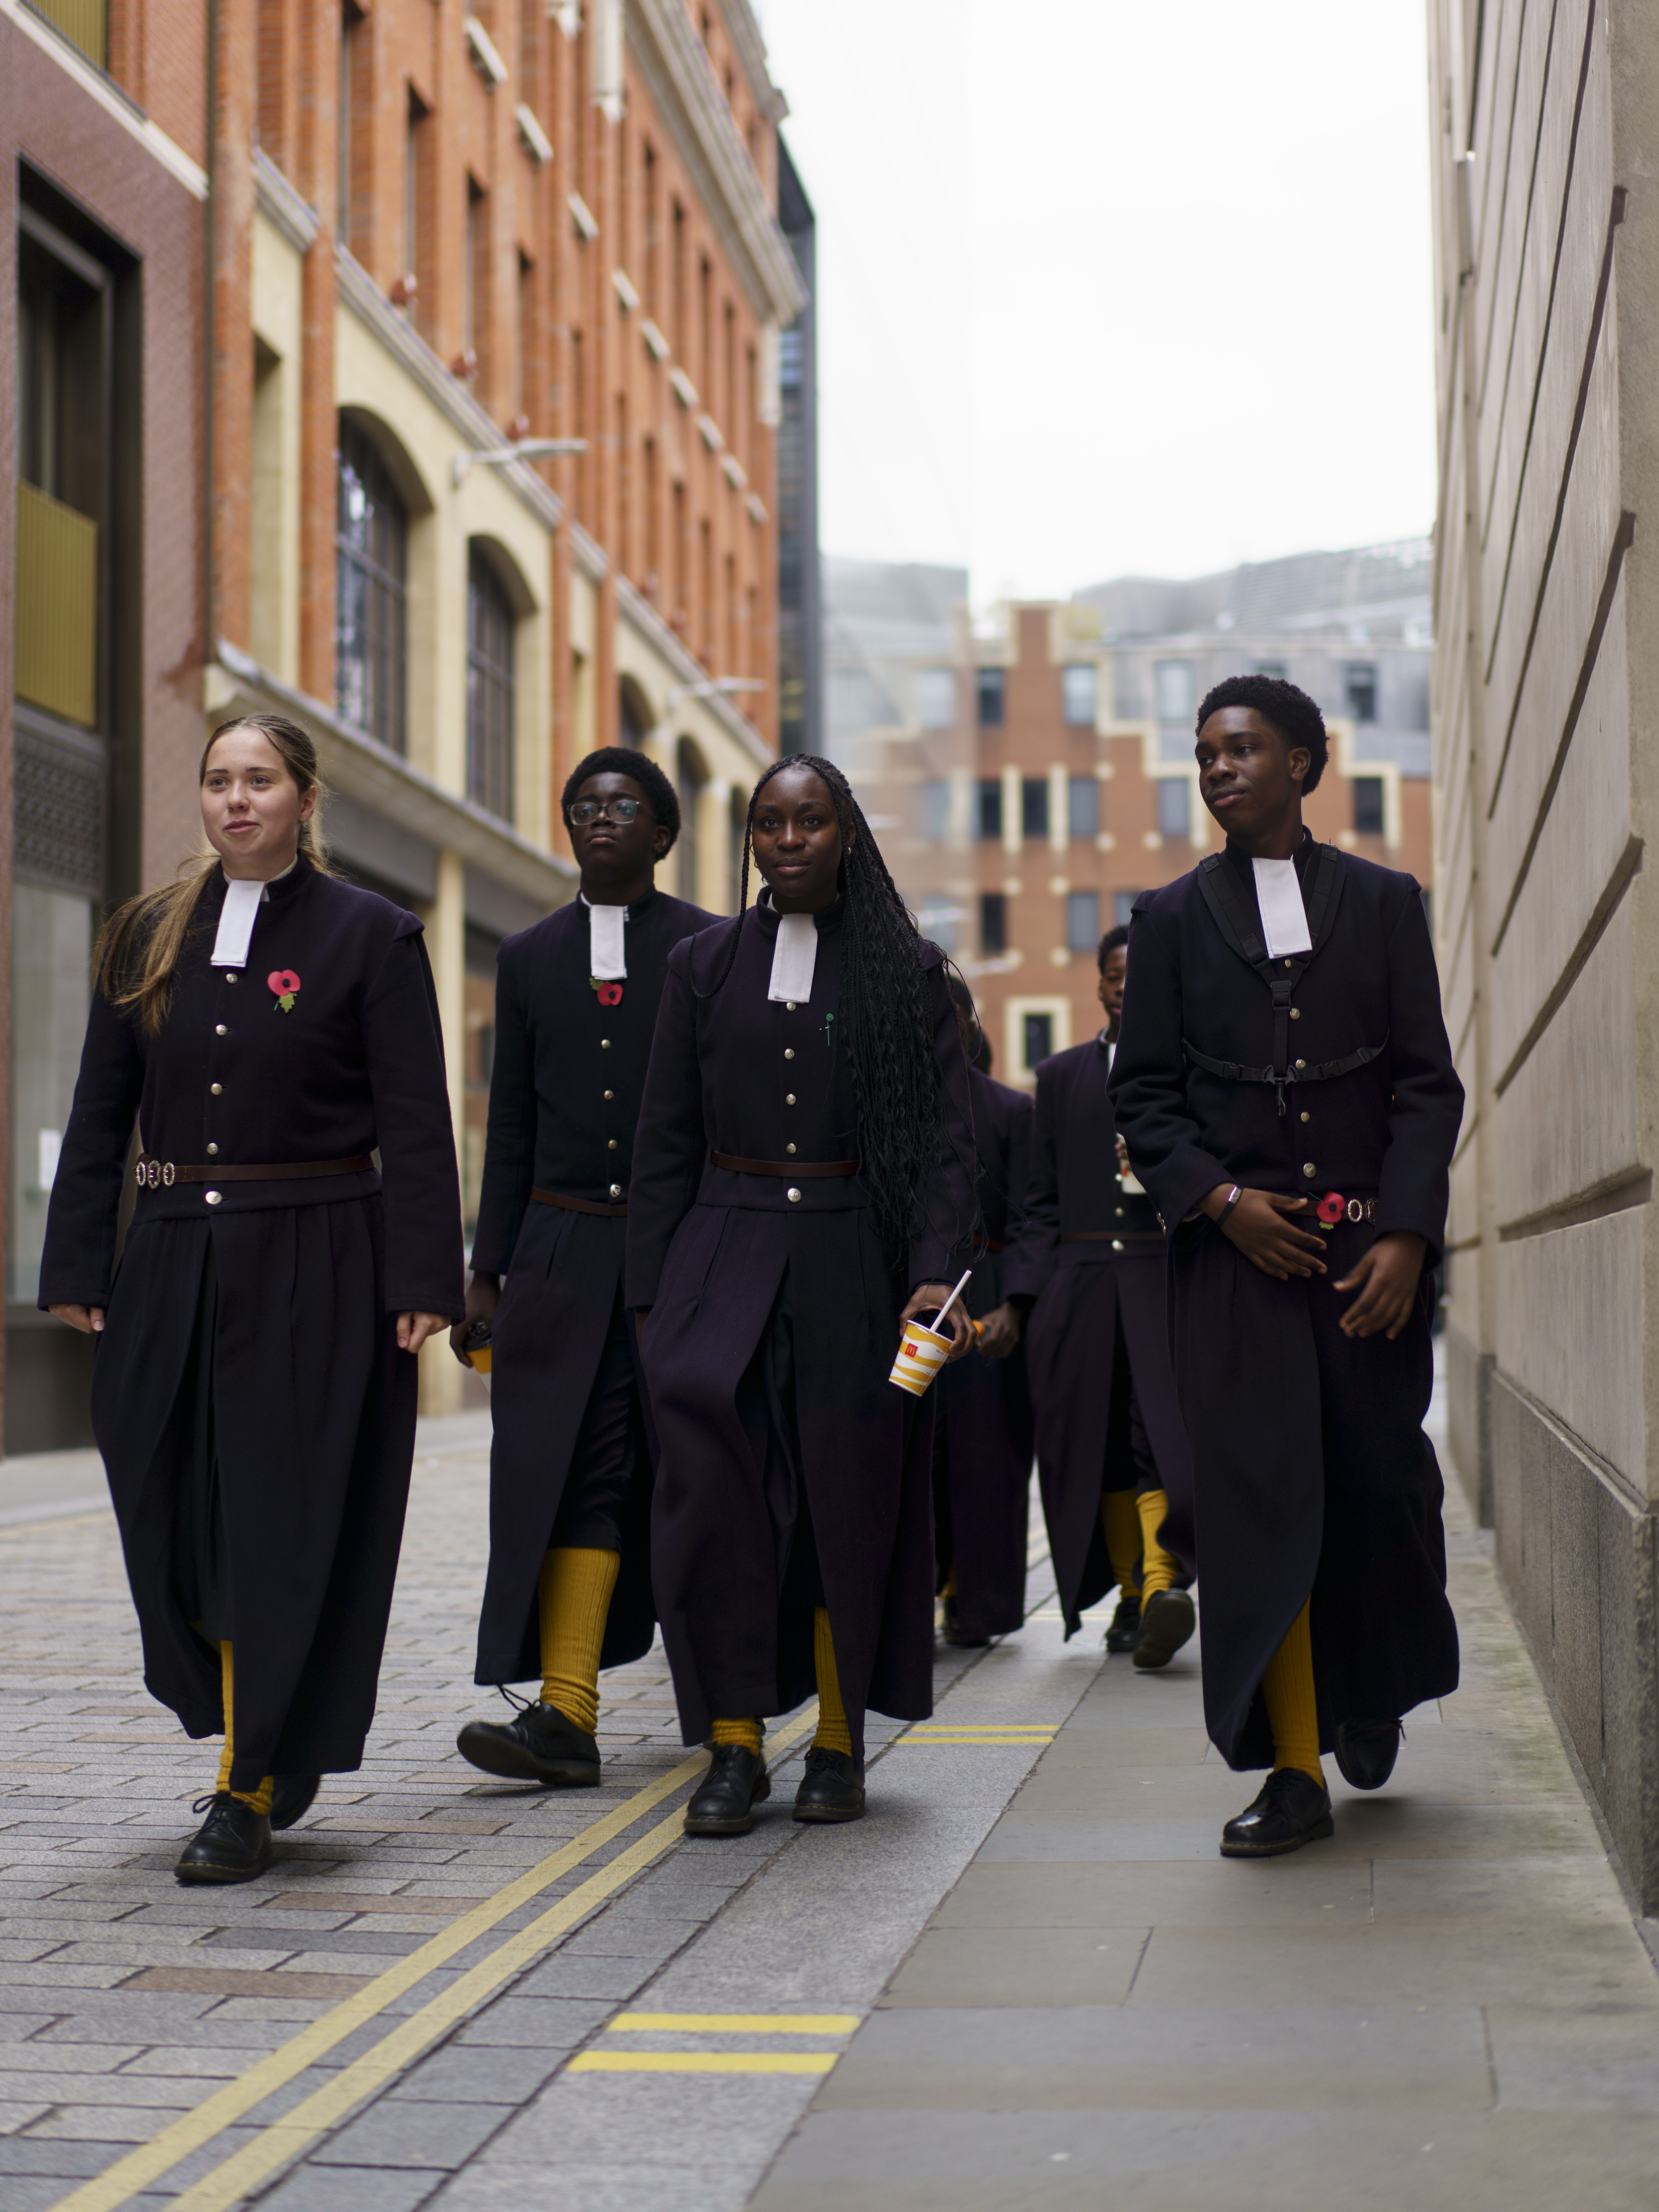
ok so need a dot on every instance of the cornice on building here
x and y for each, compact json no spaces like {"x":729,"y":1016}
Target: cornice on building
{"x":675,"y":71}
{"x":359,"y":292}
{"x":108,"y":95}
{"x":354,"y":763}
{"x":743,"y":30}
{"x":282,"y":204}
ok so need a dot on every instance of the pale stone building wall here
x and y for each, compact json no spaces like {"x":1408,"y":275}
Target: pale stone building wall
{"x":1545,"y":159}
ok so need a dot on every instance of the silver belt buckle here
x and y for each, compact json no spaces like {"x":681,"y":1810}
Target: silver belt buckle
{"x":154,"y":1174}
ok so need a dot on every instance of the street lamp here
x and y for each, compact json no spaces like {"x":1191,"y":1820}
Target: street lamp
{"x":522,"y":449}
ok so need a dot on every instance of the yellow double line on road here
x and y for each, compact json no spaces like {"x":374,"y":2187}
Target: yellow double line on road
{"x":245,"y":2169}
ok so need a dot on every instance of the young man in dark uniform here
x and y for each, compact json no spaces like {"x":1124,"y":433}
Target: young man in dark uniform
{"x":1287,"y":1093}
{"x":982,"y":1412}
{"x":570,"y":1472}
{"x":1112,"y":1456}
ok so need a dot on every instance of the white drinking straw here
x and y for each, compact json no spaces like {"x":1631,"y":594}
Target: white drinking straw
{"x":951,"y":1300}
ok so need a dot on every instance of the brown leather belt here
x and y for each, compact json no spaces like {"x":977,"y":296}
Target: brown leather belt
{"x":992,"y":1245}
{"x":161,"y":1175}
{"x":1110,"y":1237}
{"x":577,"y":1204}
{"x":790,"y":1169}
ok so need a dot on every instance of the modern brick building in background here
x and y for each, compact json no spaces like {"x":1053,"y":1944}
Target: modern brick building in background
{"x":1032,"y":771}
{"x":308,"y":323}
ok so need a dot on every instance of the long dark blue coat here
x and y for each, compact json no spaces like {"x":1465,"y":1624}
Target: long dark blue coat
{"x":250,"y":1336}
{"x":1312,"y":1472}
{"x":1090,"y":1252}
{"x":564,"y":1100}
{"x":984,"y":1410}
{"x":710,"y":1251}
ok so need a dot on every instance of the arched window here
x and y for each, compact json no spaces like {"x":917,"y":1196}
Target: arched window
{"x":371,"y":592}
{"x":488,"y":687}
{"x":634,"y":714}
{"x":689,"y":779}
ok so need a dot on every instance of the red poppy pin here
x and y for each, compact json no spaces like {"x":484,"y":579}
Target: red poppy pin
{"x":284,"y":982}
{"x":609,"y":993}
{"x":1330,"y":1207}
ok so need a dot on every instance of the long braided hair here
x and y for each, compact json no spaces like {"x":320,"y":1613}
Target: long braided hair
{"x":883,"y":1017}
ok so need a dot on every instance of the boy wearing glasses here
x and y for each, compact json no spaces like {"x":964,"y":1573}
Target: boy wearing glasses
{"x":570,"y":1470}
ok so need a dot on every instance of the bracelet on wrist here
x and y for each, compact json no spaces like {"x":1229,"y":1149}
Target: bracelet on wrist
{"x":1233,"y":1197}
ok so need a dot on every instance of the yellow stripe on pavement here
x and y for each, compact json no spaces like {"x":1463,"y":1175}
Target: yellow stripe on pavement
{"x":243,"y":2171}
{"x":733,"y":2023}
{"x":699,"y":2062}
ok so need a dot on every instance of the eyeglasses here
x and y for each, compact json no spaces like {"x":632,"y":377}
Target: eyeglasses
{"x":607,"y":810}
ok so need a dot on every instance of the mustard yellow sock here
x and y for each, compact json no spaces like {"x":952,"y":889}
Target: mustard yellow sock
{"x":259,"y":1799}
{"x":832,"y":1732}
{"x":1292,"y":1707}
{"x":1122,"y":1521}
{"x":950,"y":1590}
{"x":747,"y":1733}
{"x":574,"y":1595}
{"x":1157,"y":1569}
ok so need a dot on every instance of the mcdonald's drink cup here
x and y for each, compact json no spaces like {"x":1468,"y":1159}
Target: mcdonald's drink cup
{"x":922,"y":1352}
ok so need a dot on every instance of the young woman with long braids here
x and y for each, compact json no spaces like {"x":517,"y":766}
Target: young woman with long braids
{"x":804,"y":1172}
{"x":269,"y":1028}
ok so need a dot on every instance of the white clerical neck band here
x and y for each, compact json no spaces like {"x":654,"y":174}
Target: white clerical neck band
{"x":1284,"y":917}
{"x":237,"y":916}
{"x":607,"y":951}
{"x":794,"y":959}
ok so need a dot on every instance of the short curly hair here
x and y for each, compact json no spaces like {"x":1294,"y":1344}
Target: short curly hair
{"x":1116,"y":941}
{"x":623,"y":760}
{"x":1291,"y":712}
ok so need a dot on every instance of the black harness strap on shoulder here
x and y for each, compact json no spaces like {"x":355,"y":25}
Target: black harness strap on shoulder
{"x":1237,"y":925}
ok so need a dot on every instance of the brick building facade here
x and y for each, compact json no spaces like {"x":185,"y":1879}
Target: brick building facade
{"x":418,"y":244}
{"x":1030,"y":772}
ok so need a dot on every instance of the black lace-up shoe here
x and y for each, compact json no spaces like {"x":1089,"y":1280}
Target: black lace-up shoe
{"x":292,"y":1797}
{"x":1366,"y":1751}
{"x":952,"y":1631}
{"x":1167,"y":1620}
{"x":1292,"y":1810}
{"x":1124,"y":1630}
{"x":232,"y":1845}
{"x":832,"y":1788}
{"x":537,"y":1745}
{"x":725,"y":1800}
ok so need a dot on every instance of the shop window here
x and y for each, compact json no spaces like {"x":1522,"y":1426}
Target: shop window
{"x":1082,"y":920}
{"x":992,"y":923}
{"x":1078,"y":692}
{"x":990,"y":807}
{"x":371,"y":606}
{"x":489,"y":687}
{"x":1083,"y":806}
{"x":1174,"y":807}
{"x":990,"y":697}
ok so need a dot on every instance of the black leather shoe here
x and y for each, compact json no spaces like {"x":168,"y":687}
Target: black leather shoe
{"x":232,"y":1845}
{"x":832,"y":1788}
{"x":725,"y":1800}
{"x":1292,"y":1810}
{"x":537,"y":1744}
{"x":1366,"y":1752}
{"x":1166,"y":1622}
{"x":952,"y":1634}
{"x":1124,"y":1630}
{"x":292,"y":1797}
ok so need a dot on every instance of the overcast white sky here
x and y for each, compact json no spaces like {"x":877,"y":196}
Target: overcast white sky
{"x":1115,"y":286}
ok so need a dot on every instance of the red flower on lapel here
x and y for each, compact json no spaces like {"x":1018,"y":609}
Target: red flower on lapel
{"x":611,"y":994}
{"x":284,"y":982}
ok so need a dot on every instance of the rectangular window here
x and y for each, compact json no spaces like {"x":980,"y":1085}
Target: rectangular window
{"x":936,"y":697}
{"x":1082,"y":920}
{"x":935,"y":809}
{"x":990,"y":698}
{"x":474,"y":270}
{"x":1079,"y":690}
{"x":993,"y":922}
{"x":1083,"y":806}
{"x":1277,"y":669}
{"x":1123,"y":905}
{"x":1174,"y":686}
{"x":990,"y":807}
{"x":1039,"y":1038}
{"x":1369,"y":818}
{"x":1174,"y":807}
{"x":1359,"y":683}
{"x":1034,"y":806}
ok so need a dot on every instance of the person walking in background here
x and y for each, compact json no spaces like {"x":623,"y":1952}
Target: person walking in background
{"x":804,"y":1172}
{"x":570,"y":1467}
{"x":1112,"y":1455}
{"x":982,"y":1418}
{"x":1286,"y":1089}
{"x":268,"y":1027}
